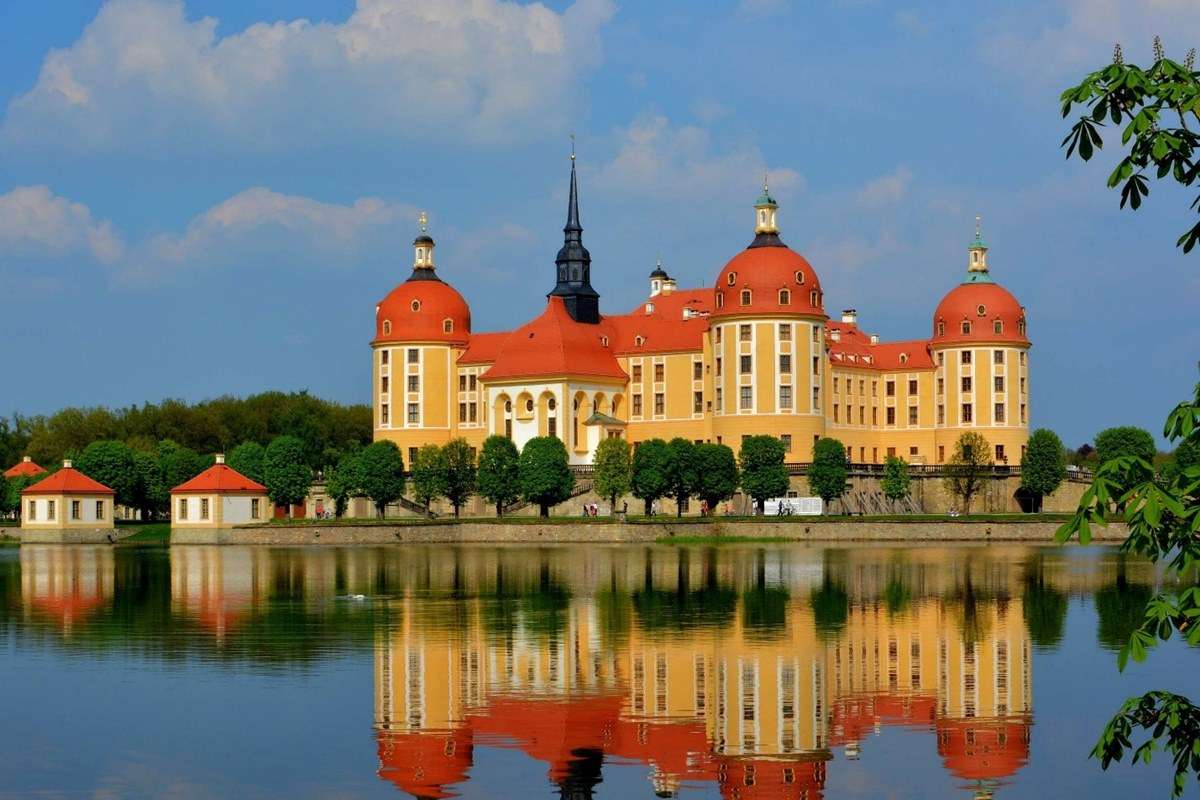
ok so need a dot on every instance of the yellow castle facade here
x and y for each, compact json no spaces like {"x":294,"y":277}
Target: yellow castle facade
{"x":753,"y":353}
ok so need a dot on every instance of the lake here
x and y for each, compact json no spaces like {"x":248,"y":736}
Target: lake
{"x":756,"y":671}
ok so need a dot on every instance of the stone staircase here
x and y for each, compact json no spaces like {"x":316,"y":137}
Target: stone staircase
{"x":581,"y":487}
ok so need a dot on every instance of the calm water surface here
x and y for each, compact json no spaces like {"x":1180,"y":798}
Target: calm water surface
{"x":577,"y":672}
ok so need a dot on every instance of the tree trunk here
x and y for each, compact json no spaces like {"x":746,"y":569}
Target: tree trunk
{"x":649,"y":503}
{"x":499,"y":510}
{"x":544,"y":510}
{"x":678,"y":507}
{"x":456,"y":510}
{"x":761,"y":503}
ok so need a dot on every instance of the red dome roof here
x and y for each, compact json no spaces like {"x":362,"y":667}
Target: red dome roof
{"x":418,"y":311}
{"x":765,"y":271}
{"x":992,"y":314}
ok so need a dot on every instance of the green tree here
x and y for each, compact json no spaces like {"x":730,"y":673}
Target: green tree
{"x":460,"y":476}
{"x":428,"y":474}
{"x":896,"y":483}
{"x":6,"y":506}
{"x":286,"y":474}
{"x":14,"y":488}
{"x":968,"y":468}
{"x":1044,"y":464}
{"x":344,"y":480}
{"x":1162,"y":513}
{"x":247,"y":458}
{"x":544,"y":474}
{"x":153,"y":496}
{"x":763,"y":472}
{"x":1148,"y":103}
{"x":498,"y":472}
{"x":1126,"y":440}
{"x":112,"y":463}
{"x":379,"y":472}
{"x":650,"y":472}
{"x":612,"y":469}
{"x":828,"y":471}
{"x":178,"y":464}
{"x":682,"y":476}
{"x":1044,"y":606}
{"x":717,"y":472}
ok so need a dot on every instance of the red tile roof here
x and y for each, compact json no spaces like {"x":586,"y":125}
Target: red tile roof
{"x":982,"y":305}
{"x":553,"y":344}
{"x":765,"y":271}
{"x":483,"y":347}
{"x":416,"y":311}
{"x":220,"y":479}
{"x":23,"y":468}
{"x":663,"y":329}
{"x":854,"y":349}
{"x":68,"y":480}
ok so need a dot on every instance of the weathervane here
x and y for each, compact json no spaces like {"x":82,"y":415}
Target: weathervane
{"x":423,"y":221}
{"x":978,"y":226}
{"x":572,"y":146}
{"x":765,"y":173}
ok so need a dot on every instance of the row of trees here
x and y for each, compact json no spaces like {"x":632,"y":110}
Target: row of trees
{"x":327,"y":430}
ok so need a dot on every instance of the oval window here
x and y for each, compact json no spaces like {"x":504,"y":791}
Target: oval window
{"x":800,"y":277}
{"x":416,"y":305}
{"x":731,"y":279}
{"x":981,"y":309}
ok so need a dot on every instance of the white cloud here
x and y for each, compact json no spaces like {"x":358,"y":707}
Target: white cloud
{"x":657,"y":160}
{"x":35,"y":222}
{"x":1081,"y":36}
{"x":143,"y":74}
{"x":254,"y":227}
{"x":887,"y":189}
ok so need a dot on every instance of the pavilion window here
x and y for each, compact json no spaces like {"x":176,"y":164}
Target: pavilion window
{"x":183,"y":508}
{"x":76,"y":509}
{"x":99,"y":509}
{"x":254,"y":508}
{"x":203,"y":508}
{"x":50,"y":510}
{"x":786,"y":438}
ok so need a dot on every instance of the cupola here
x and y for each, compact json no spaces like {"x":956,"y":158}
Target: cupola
{"x":977,"y":255}
{"x":423,"y":251}
{"x":765,"y":208}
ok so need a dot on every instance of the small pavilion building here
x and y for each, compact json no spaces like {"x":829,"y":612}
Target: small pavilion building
{"x":25,"y":467}
{"x":67,"y":506}
{"x":216,"y":499}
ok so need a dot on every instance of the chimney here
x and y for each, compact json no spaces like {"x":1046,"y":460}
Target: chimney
{"x":220,"y":458}
{"x":66,"y":463}
{"x":27,"y":459}
{"x":874,"y":338}
{"x":850,"y":316}
{"x":835,"y":334}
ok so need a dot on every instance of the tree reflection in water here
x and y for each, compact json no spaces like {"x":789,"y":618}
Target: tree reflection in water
{"x":739,"y":667}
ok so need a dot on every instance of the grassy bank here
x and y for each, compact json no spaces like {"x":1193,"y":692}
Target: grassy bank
{"x":148,"y":533}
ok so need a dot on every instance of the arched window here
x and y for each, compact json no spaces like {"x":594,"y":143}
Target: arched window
{"x":603,"y":343}
{"x":416,"y":305}
{"x":800,"y":277}
{"x":731,"y":278}
{"x":638,"y":341}
{"x":447,"y":326}
{"x":941,"y":328}
{"x":762,"y":216}
{"x":387,"y":327}
{"x":904,"y":358}
{"x":997,"y":326}
{"x":745,"y":297}
{"x":966,"y":326}
{"x":785,"y":297}
{"x":720,"y":299}
{"x":508,"y":406}
{"x":981,"y":310}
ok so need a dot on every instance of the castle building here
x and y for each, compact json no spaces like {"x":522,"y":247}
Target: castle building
{"x":753,"y":353}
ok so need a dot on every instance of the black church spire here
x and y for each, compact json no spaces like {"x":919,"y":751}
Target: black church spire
{"x":574,"y":265}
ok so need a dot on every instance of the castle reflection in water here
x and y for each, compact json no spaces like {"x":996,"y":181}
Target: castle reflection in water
{"x":739,"y":667}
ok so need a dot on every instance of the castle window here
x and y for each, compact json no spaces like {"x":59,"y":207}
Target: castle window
{"x":966,"y":383}
{"x":785,"y":332}
{"x":697,"y":402}
{"x":720,"y":299}
{"x":414,"y":355}
{"x":997,"y":326}
{"x":447,"y":326}
{"x":812,"y":298}
{"x":637,"y":405}
{"x":383,"y":414}
{"x":731,"y":278}
{"x":785,"y":364}
{"x":997,"y":356}
{"x":745,"y":297}
{"x":800,"y":277}
{"x":966,"y":356}
{"x":785,"y":297}
{"x":659,"y":372}
{"x":383,"y":385}
{"x":718,"y":334}
{"x":891,"y":415}
{"x":414,"y":383}
{"x":785,"y":397}
{"x":697,"y":371}
{"x":746,"y":398}
{"x":941,"y":328}
{"x":891,"y":388}
{"x":743,"y":333}
{"x":414,"y":413}
{"x":998,"y":383}
{"x":981,"y":310}
{"x":387,"y":329}
{"x":508,"y":406}
{"x":462,"y":412}
{"x":912,"y":386}
{"x":966,"y":326}
{"x":383,"y":357}
{"x":745,"y":365}
{"x":416,"y":305}
{"x":967,"y":412}
{"x":529,"y":405}
{"x":999,"y":412}
{"x":659,"y":403}
{"x":912,"y":415}
{"x":637,"y":373}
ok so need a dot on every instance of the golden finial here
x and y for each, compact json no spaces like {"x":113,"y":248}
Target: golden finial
{"x":423,"y":221}
{"x":765,"y":173}
{"x":978,"y":227}
{"x":572,"y":146}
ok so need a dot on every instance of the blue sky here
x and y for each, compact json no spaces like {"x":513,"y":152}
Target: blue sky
{"x":209,"y":197}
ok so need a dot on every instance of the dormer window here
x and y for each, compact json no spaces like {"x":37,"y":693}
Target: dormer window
{"x":416,"y":305}
{"x":785,"y":297}
{"x":387,"y":327}
{"x":720,"y":299}
{"x":966,"y":326}
{"x":746,"y":297}
{"x":447,"y":326}
{"x":997,"y":326}
{"x":649,"y":308}
{"x":638,"y":341}
{"x":812,"y":298}
{"x":904,"y":358}
{"x":1021,"y":326}
{"x":603,"y":343}
{"x":800,"y":277}
{"x":941,"y":328}
{"x":731,"y":278}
